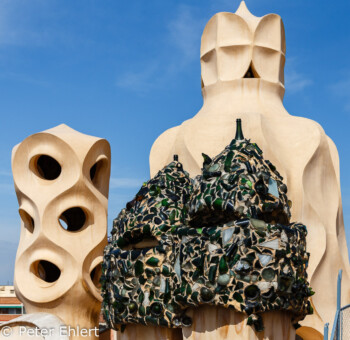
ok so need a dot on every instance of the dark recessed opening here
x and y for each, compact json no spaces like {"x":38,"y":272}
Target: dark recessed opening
{"x":93,"y":172}
{"x":47,"y":167}
{"x":73,"y":219}
{"x":47,"y":271}
{"x":96,"y":172}
{"x":140,"y":242}
{"x":27,"y":220}
{"x":147,"y":242}
{"x":96,"y":275}
{"x":251,"y":73}
{"x":277,"y":216}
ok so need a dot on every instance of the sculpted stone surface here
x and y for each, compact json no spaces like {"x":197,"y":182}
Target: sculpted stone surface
{"x":61,"y":179}
{"x":242,"y":61}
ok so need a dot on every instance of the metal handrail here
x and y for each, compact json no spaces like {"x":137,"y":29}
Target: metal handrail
{"x":339,"y":309}
{"x":345,"y":307}
{"x":335,"y":324}
{"x":325,"y":333}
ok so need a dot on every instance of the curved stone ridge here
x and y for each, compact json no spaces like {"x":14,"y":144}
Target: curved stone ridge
{"x":225,"y":241}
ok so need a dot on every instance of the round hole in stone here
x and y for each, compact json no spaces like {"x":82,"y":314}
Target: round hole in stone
{"x":47,"y":271}
{"x":73,"y":219}
{"x":93,"y":172}
{"x":96,"y":275}
{"x":47,"y":167}
{"x":27,"y":220}
{"x":96,"y":172}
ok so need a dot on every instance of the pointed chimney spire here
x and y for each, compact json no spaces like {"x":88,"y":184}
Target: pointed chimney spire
{"x":239,"y":132}
{"x":243,"y":10}
{"x":244,"y":13}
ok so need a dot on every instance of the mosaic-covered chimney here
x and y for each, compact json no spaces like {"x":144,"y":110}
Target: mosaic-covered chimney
{"x":223,"y":239}
{"x":242,"y":69}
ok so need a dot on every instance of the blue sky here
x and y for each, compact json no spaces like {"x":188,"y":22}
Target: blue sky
{"x":128,"y":70}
